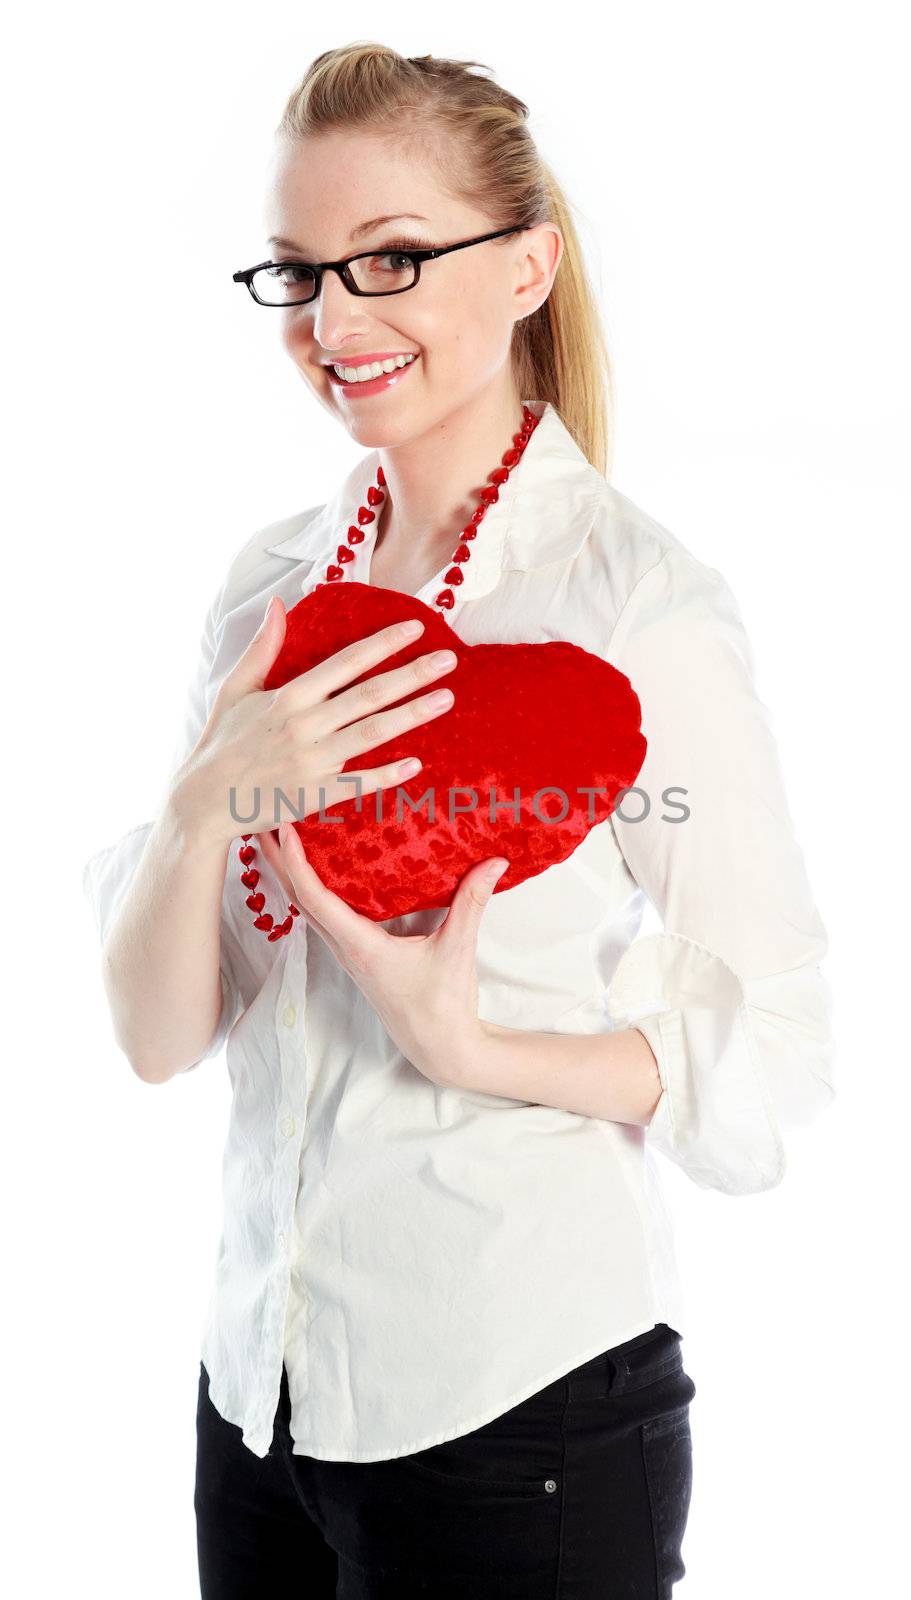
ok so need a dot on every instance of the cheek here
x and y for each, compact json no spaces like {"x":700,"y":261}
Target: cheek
{"x":295,"y":338}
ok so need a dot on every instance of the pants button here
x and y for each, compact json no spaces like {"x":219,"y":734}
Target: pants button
{"x":550,"y":1485}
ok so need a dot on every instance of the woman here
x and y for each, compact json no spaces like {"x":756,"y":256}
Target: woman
{"x":443,"y":1349}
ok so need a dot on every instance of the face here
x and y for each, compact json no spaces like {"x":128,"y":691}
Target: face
{"x":456,"y":322}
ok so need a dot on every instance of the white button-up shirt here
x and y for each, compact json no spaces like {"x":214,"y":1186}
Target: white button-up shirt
{"x":424,"y":1258}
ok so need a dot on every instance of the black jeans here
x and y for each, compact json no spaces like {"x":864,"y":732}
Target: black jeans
{"x":580,"y":1492}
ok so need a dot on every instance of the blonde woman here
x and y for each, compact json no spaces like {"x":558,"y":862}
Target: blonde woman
{"x":443,"y":1353}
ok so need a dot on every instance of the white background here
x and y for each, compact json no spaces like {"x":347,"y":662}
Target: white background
{"x":739,"y":177}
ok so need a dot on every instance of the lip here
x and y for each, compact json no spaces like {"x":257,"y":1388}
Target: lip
{"x":369,"y":386}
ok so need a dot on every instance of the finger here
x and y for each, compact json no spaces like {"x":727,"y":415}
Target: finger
{"x":361,"y":781}
{"x":252,"y":669}
{"x":383,"y":689}
{"x":325,"y":935}
{"x":333,"y":915}
{"x":462,"y":921}
{"x":377,"y":728}
{"x":270,"y":849}
{"x":351,"y":661}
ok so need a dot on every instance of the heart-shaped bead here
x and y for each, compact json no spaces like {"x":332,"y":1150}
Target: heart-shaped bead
{"x":264,"y":922}
{"x":363,"y":515}
{"x":247,"y":853}
{"x":356,"y":535}
{"x":256,"y":901}
{"x":333,"y":574}
{"x":375,"y":496}
{"x":344,"y":554}
{"x":250,"y":878}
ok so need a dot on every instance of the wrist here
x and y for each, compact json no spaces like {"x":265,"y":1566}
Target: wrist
{"x":469,"y":1057}
{"x":190,"y":819}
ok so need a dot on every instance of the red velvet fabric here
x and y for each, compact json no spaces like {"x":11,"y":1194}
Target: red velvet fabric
{"x":526,"y":716}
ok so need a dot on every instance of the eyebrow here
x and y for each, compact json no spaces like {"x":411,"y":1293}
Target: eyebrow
{"x":357,"y":233}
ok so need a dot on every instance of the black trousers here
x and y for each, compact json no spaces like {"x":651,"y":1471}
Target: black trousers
{"x":580,"y":1492}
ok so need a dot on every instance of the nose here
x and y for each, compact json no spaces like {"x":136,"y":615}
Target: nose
{"x":338,"y":315}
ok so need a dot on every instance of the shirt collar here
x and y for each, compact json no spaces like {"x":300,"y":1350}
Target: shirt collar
{"x":544,"y":512}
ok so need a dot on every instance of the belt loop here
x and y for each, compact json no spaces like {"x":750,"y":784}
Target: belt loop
{"x":616,"y":1372}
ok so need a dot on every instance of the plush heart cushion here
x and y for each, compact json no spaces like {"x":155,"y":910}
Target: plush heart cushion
{"x":528,"y":717}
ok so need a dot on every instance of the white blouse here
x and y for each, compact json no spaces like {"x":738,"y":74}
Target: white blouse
{"x":424,"y":1258}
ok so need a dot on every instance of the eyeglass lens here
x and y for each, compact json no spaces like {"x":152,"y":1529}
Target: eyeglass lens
{"x":291,"y":284}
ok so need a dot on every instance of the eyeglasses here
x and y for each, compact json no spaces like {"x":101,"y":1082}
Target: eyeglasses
{"x":294,"y":283}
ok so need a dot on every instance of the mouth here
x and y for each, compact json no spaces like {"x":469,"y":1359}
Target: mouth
{"x":377,"y":383}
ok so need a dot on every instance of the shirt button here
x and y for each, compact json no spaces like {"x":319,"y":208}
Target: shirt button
{"x":281,"y":1236}
{"x":288,"y":1126}
{"x":289,"y":1016}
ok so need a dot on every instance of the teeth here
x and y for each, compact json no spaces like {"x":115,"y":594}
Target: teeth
{"x":376,"y":368}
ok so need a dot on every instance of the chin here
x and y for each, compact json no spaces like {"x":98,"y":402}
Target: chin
{"x":382,"y":432}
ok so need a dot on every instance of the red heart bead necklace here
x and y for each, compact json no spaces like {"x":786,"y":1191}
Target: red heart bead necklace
{"x":444,"y":601}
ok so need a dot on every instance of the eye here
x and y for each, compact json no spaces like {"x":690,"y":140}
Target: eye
{"x":290,"y":273}
{"x":399,"y":261}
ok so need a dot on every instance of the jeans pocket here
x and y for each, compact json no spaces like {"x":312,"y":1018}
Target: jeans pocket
{"x":516,"y":1454}
{"x":447,"y":1467}
{"x":667,"y":1452}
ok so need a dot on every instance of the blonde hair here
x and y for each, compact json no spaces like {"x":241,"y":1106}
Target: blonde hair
{"x":477,"y":134}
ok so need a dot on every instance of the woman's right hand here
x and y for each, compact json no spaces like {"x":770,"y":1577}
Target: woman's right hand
{"x":299,"y":736}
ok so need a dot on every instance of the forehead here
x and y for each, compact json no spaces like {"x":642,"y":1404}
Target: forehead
{"x":322,"y":187}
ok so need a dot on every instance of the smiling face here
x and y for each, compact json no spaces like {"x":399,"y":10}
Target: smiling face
{"x":456,"y":322}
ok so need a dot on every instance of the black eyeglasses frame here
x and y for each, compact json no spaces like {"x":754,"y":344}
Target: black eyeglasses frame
{"x":342,"y":268}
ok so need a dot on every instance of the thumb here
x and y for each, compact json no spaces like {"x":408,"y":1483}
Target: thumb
{"x":252,"y":668}
{"x":471,"y":897}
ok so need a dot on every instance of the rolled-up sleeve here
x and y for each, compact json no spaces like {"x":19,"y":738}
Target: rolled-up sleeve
{"x":730,"y":996}
{"x":108,"y":873}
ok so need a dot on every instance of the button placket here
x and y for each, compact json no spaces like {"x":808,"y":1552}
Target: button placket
{"x":290,"y":1010}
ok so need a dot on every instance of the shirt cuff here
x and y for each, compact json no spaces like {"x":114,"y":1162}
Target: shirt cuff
{"x":715,"y":1118}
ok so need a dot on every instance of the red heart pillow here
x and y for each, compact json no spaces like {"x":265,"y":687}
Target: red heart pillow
{"x":546,"y":717}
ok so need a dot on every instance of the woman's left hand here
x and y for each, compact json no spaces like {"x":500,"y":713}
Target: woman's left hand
{"x":423,"y":987}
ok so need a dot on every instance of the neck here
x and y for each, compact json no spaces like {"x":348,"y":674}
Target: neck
{"x":433,"y":481}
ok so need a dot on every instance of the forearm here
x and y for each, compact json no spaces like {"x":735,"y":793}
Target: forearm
{"x":608,"y":1075}
{"x":160,"y":961}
